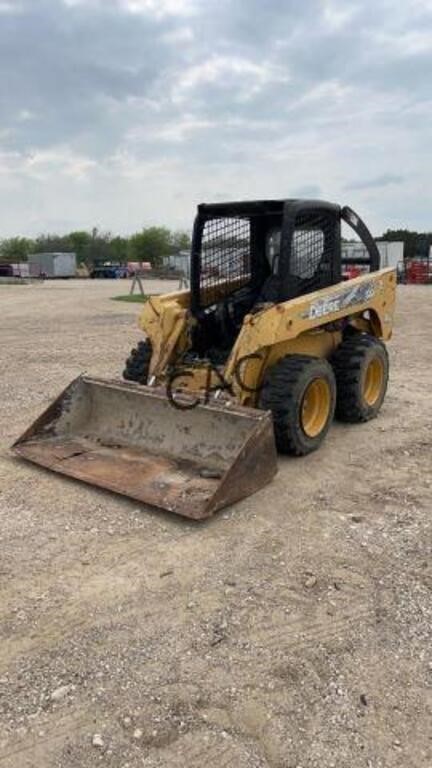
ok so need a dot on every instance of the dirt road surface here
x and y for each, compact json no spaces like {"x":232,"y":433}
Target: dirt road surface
{"x":293,"y":631}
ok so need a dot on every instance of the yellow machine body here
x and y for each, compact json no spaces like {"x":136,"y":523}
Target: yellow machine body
{"x":307,"y":325}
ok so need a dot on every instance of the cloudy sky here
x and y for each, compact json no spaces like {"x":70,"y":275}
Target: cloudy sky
{"x":125,"y":113}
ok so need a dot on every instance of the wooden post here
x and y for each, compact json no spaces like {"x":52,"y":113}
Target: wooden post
{"x":183,"y":282}
{"x":137,"y":281}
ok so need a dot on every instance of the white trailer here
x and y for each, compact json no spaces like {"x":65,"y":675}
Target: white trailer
{"x":52,"y":264}
{"x":179,"y":261}
{"x":391,"y":253}
{"x":21,"y":269}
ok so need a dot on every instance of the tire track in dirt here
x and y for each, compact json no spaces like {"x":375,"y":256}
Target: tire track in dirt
{"x":59,"y":731}
{"x":199,"y":748}
{"x":305,"y":634}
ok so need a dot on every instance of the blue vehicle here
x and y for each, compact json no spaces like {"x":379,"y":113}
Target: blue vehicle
{"x":109,"y":271}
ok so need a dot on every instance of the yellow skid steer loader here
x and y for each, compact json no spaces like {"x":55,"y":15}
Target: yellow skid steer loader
{"x":270,"y":343}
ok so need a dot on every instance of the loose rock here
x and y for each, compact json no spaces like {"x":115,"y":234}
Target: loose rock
{"x":310,"y":581}
{"x":60,"y":693}
{"x":97,"y":741}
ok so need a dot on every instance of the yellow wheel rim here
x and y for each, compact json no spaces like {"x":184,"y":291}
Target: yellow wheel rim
{"x":373,"y":381}
{"x":316,"y":406}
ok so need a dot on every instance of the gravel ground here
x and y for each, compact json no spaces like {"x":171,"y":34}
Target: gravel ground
{"x":292,"y":631}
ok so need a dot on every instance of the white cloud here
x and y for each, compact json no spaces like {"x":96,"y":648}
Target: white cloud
{"x":9,"y":161}
{"x":110,"y":106}
{"x":413,"y":43}
{"x":338,"y":15}
{"x":421,"y":5}
{"x":247,"y":76}
{"x":160,"y":8}
{"x":180,"y":130}
{"x":178,"y":36}
{"x":44,"y":164}
{"x":74,"y":3}
{"x":330,"y":91}
{"x":166,"y":130}
{"x":24,"y":115}
{"x":61,"y":159}
{"x":157,"y":8}
{"x":10,"y":7}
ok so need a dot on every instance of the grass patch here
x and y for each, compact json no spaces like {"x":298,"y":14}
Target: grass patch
{"x":136,"y":298}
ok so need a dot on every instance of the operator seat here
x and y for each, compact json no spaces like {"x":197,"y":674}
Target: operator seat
{"x":270,"y":291}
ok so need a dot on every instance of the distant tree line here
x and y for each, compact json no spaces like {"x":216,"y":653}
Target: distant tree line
{"x":151,"y":244}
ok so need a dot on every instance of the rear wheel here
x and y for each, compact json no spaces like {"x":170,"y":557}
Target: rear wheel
{"x":361,"y":368}
{"x":138,"y":363}
{"x":300,"y":392}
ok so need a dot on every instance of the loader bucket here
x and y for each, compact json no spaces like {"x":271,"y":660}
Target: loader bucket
{"x":132,"y":440}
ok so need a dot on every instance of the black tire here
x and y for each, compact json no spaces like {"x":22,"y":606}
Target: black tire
{"x":361,"y":368}
{"x":283,"y":393}
{"x":138,"y":363}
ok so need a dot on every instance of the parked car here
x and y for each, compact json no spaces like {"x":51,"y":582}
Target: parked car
{"x":109,"y":271}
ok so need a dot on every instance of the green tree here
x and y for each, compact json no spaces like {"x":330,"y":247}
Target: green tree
{"x":181,"y":241}
{"x":88,"y":246}
{"x":52,"y":243}
{"x":150,"y":245}
{"x":16,"y":249}
{"x":99,"y":246}
{"x":80,"y":244}
{"x":118,"y":248}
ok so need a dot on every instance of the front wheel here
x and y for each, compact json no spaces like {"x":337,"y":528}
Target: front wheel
{"x":361,"y":367}
{"x":300,"y":391}
{"x":138,"y":363}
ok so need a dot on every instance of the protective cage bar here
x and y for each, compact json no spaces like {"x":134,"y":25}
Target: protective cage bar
{"x":369,"y":262}
{"x":228,"y":248}
{"x":313,"y":251}
{"x":225,"y":258}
